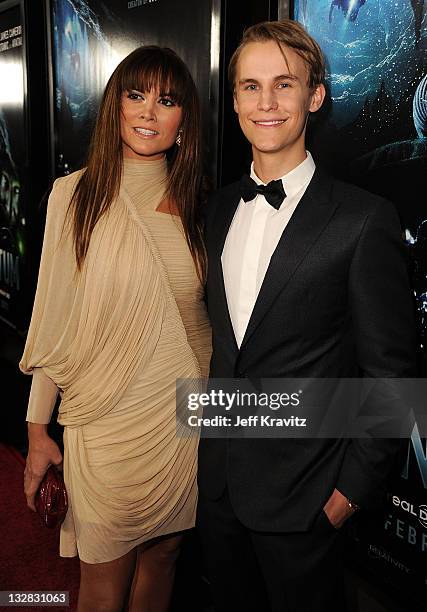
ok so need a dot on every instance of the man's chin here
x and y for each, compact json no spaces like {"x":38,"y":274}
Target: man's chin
{"x":266,"y":148}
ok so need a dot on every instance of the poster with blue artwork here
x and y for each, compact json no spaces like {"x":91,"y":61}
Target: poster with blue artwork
{"x":374,"y":126}
{"x":373,"y":132}
{"x":13,"y":163}
{"x":88,"y":40}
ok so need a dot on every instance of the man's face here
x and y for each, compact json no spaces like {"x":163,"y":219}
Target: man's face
{"x":272,"y":99}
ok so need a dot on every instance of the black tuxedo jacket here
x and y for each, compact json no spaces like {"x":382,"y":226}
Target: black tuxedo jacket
{"x":335,"y":302}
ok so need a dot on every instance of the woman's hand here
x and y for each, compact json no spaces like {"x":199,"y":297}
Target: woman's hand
{"x":42,"y":452}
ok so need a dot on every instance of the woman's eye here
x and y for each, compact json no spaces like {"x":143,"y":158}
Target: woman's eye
{"x":133,"y":95}
{"x":167,"y":102}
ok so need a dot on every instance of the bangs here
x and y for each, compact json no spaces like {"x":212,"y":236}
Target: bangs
{"x":157,"y":71}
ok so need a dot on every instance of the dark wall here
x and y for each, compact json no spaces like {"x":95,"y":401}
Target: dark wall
{"x":25,"y":124}
{"x":34,"y":175}
{"x":38,"y":142}
{"x":234,"y":152}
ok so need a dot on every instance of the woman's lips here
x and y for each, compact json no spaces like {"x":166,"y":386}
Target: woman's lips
{"x":145,"y":132}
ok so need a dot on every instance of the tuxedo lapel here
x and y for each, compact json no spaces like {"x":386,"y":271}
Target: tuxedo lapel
{"x":220,"y":225}
{"x":306,"y":224}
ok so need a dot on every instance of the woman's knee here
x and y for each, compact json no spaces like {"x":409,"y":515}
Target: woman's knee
{"x":104,"y":586}
{"x":164,"y":550}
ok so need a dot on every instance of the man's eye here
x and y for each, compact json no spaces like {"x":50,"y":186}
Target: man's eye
{"x":250,"y":87}
{"x":284,"y":85}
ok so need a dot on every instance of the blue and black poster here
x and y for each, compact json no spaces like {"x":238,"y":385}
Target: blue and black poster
{"x":374,"y":133}
{"x":13,"y":160}
{"x":89,"y":39}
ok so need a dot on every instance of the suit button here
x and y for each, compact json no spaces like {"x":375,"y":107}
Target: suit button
{"x":240,"y":374}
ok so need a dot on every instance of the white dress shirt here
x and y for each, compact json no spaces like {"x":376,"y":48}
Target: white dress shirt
{"x":251,"y":241}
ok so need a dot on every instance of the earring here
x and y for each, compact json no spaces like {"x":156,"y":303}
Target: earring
{"x":179,"y":138}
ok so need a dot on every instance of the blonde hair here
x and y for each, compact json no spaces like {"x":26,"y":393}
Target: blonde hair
{"x":286,"y":33}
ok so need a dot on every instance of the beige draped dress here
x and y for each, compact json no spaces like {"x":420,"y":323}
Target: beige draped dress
{"x":114,"y":338}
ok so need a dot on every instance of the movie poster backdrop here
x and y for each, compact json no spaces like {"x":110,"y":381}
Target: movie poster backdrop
{"x":374,"y":133}
{"x":89,"y":39}
{"x":13,"y":161}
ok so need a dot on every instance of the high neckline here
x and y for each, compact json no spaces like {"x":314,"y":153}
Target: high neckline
{"x":156,"y":168}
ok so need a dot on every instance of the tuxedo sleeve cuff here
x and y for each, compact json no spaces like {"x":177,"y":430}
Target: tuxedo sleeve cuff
{"x":363,"y":475}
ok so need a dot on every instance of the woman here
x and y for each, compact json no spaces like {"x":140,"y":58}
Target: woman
{"x":118,"y":317}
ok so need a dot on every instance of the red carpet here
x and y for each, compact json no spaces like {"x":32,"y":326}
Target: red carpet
{"x":29,"y":558}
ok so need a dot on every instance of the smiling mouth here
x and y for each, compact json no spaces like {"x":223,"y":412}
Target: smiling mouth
{"x":270,"y":123}
{"x":145,"y":132}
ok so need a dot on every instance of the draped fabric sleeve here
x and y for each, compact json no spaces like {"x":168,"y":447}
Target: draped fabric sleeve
{"x":93,"y":329}
{"x":42,"y":398}
{"x":56,"y":284}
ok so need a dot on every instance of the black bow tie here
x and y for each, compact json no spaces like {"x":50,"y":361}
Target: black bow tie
{"x":273,"y":192}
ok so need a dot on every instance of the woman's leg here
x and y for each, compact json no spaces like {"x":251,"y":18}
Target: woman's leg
{"x":154,"y":575}
{"x":104,"y":586}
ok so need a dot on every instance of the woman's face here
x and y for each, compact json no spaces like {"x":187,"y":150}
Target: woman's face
{"x":149,"y":124}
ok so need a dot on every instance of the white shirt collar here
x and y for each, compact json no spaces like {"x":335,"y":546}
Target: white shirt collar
{"x":294,"y":180}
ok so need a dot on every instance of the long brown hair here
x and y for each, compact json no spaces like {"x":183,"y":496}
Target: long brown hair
{"x":146,"y":68}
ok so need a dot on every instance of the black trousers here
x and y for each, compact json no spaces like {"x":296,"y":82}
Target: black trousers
{"x":252,"y":571}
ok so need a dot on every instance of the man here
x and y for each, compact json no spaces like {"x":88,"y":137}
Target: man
{"x":307,"y":279}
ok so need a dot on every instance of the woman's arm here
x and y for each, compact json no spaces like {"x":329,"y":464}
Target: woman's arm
{"x":42,"y":450}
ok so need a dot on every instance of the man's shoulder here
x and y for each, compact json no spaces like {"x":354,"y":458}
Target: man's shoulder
{"x":223,"y":194}
{"x":349,"y":192}
{"x":355,"y":199}
{"x":221,"y":197}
